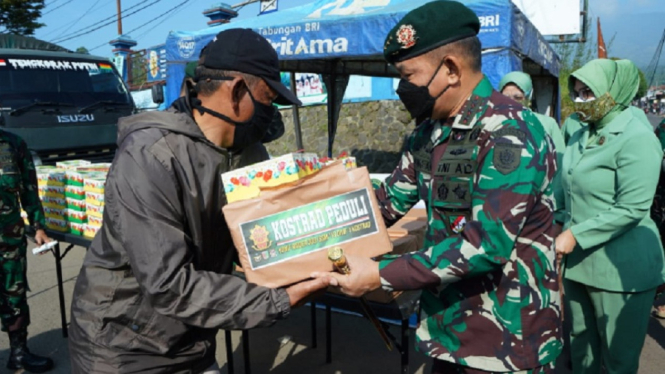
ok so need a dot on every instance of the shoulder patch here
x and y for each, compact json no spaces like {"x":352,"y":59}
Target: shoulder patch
{"x":508,"y":131}
{"x":507,"y":157}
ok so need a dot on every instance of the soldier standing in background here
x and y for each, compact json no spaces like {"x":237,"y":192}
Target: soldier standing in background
{"x":484,"y":165}
{"x":18,"y":187}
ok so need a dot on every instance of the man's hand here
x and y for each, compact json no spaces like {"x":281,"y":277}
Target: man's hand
{"x":364,"y":276}
{"x":565,"y":243}
{"x":41,"y":237}
{"x":299,"y":292}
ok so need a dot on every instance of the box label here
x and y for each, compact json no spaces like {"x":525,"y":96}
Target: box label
{"x":308,"y":228}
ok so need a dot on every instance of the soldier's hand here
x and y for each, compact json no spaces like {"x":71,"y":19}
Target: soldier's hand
{"x":364,"y":276}
{"x":565,"y":243}
{"x":299,"y":292}
{"x":41,"y":237}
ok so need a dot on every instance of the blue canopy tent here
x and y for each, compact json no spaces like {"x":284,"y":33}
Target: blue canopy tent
{"x":338,"y":38}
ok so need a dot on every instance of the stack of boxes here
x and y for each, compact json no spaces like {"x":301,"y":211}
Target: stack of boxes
{"x":72,"y":194}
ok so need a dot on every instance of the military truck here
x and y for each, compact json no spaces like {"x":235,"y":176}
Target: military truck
{"x":64,"y":105}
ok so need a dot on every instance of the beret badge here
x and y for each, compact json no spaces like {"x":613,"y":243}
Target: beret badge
{"x":406,"y":36}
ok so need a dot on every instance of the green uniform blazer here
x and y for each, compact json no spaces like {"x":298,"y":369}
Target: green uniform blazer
{"x":608,"y":188}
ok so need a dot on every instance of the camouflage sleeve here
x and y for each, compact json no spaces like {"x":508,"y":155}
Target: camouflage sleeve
{"x":513,"y":176}
{"x":636,"y":179}
{"x":399,"y":192}
{"x":29,"y":191}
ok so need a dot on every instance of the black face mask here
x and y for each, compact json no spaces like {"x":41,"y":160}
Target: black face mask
{"x":248,"y":132}
{"x":417,"y":99}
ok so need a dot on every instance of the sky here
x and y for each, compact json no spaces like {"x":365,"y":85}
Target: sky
{"x":636,"y":24}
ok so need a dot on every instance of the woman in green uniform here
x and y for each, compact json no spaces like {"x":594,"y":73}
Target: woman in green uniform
{"x":613,"y":255}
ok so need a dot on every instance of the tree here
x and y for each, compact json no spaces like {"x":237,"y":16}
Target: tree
{"x":82,"y":50}
{"x":20,"y":16}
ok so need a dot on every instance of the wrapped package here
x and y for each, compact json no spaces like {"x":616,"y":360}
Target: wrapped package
{"x":76,"y":177}
{"x":55,"y":213}
{"x":54,"y":224}
{"x":94,"y":198}
{"x":51,"y":177}
{"x":76,"y":228}
{"x":54,"y":202}
{"x":245,"y":183}
{"x":94,"y":210}
{"x":76,"y":204}
{"x":90,"y":231}
{"x":94,"y":184}
{"x":283,"y":234}
{"x":74,"y":192}
{"x":24,"y":215}
{"x":52,"y":191}
{"x":95,"y":221}
{"x":72,"y":164}
{"x":76,"y":216}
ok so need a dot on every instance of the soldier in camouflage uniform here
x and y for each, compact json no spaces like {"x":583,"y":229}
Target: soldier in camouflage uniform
{"x":18,"y":188}
{"x":483,"y":164}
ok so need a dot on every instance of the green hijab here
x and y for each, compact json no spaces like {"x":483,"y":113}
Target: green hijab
{"x":620,"y":79}
{"x":521,"y":80}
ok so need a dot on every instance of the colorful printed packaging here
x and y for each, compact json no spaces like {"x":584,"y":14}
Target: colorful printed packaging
{"x":76,"y":216}
{"x":76,"y":228}
{"x":74,"y":192}
{"x":90,"y":231}
{"x":52,"y":191}
{"x":94,"y":210}
{"x":245,"y":183}
{"x":72,"y":164}
{"x":51,"y":177}
{"x":76,"y":204}
{"x":56,"y":224}
{"x":60,"y":214}
{"x":95,"y":221}
{"x":54,"y":202}
{"x":76,"y":177}
{"x":94,"y":184}
{"x":94,"y":198}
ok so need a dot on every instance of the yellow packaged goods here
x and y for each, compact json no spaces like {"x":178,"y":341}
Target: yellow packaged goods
{"x":95,"y":221}
{"x":51,"y":177}
{"x":55,"y":213}
{"x":76,"y":228}
{"x":54,"y":202}
{"x":72,"y":164}
{"x":76,"y":177}
{"x":283,"y":234}
{"x":56,"y":224}
{"x":74,"y":192}
{"x":245,"y":183}
{"x":94,"y":184}
{"x":90,"y":231}
{"x":94,"y":198}
{"x":52,"y":191}
{"x":94,"y":210}
{"x":24,"y":215}
{"x":76,"y":204}
{"x":76,"y":216}
{"x":101,"y":167}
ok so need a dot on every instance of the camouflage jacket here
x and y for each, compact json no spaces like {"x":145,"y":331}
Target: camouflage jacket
{"x":18,"y":186}
{"x":490,"y":294}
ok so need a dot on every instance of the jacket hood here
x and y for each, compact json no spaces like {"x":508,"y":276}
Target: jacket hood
{"x":171,"y":120}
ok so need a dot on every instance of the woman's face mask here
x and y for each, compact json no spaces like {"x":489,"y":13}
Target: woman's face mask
{"x":593,"y":109}
{"x":417,"y":99}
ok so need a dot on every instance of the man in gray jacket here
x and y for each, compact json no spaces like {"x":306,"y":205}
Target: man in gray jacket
{"x":155,"y":285}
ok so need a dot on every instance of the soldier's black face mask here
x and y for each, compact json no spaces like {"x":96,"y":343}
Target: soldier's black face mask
{"x":250,"y":131}
{"x":417,"y":99}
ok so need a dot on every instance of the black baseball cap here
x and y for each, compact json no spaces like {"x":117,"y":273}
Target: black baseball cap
{"x":245,"y":51}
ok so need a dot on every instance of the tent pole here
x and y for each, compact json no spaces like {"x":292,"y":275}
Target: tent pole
{"x":296,"y":115}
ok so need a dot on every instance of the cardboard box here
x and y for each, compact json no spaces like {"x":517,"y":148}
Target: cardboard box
{"x":413,"y":226}
{"x":57,"y":224}
{"x":90,"y":231}
{"x":283,"y":235}
{"x":95,"y":210}
{"x":76,"y":216}
{"x":51,"y":177}
{"x":95,"y":221}
{"x":54,"y":202}
{"x":77,"y":177}
{"x":94,"y":198}
{"x":71,"y":164}
{"x":76,"y":228}
{"x":52,"y":191}
{"x":74,"y":192}
{"x":245,"y":183}
{"x":56,"y":213}
{"x":94,"y":184}
{"x":76,"y":204}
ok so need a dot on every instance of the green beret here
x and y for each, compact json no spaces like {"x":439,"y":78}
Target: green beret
{"x":190,"y":69}
{"x":428,"y":27}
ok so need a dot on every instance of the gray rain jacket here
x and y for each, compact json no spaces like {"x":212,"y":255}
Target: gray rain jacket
{"x":155,"y":285}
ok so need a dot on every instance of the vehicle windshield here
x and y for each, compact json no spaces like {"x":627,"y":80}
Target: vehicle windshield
{"x":79,"y":83}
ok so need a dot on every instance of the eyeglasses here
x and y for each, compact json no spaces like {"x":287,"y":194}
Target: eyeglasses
{"x":584,"y":94}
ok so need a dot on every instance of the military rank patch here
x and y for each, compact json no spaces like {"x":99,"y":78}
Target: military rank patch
{"x":507,"y":157}
{"x":458,"y":224}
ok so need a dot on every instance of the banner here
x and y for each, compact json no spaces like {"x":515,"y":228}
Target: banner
{"x":552,"y":17}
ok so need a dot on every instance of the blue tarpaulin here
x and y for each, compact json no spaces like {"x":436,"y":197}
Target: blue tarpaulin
{"x":355,"y":30}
